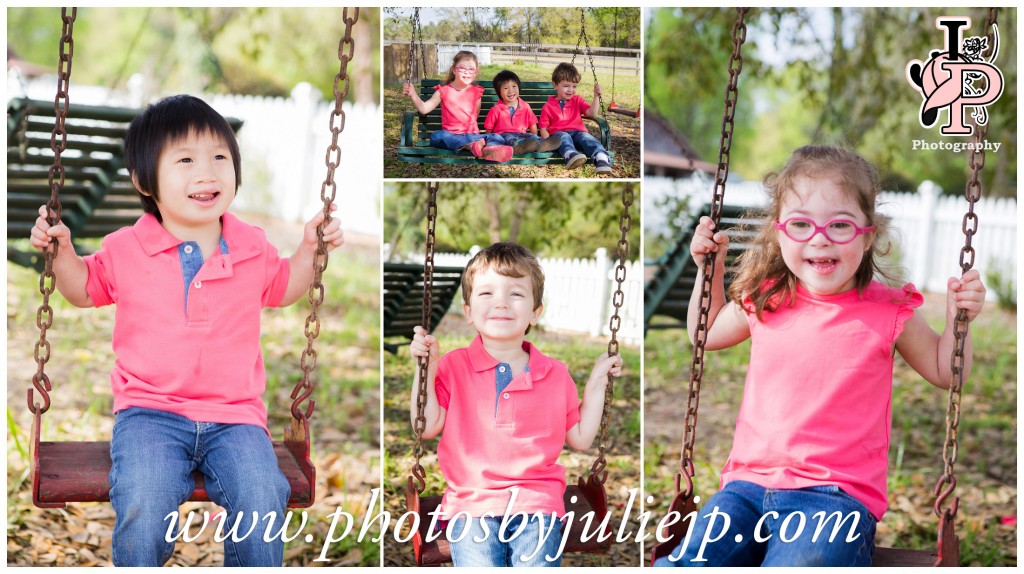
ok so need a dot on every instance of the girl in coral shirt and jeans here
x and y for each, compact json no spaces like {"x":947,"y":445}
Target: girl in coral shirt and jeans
{"x":460,"y":107}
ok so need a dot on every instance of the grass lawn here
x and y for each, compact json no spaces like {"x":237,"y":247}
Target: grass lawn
{"x":987,"y":465}
{"x":625,"y":131}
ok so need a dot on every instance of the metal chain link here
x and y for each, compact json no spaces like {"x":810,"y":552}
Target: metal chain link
{"x":615,"y":48}
{"x":47,"y":279}
{"x":739,"y":35}
{"x":972,"y":191}
{"x":328,"y":190}
{"x":618,"y":298}
{"x":586,"y":42}
{"x":418,"y":472}
{"x":416,"y":45}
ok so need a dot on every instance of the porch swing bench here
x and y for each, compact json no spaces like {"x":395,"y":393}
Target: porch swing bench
{"x":416,"y":148}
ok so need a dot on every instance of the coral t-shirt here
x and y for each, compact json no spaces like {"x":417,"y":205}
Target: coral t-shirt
{"x":199,"y":358}
{"x":568,"y":118}
{"x":495,"y":442}
{"x":817,"y":403}
{"x":501,"y":120}
{"x":459,"y":108}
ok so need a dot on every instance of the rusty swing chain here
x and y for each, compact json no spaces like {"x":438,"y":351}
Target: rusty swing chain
{"x":618,"y":298}
{"x":328,"y":190}
{"x":416,"y":45}
{"x":418,"y":472}
{"x":972,"y":191}
{"x":586,"y":42}
{"x":739,"y":35}
{"x":47,"y":279}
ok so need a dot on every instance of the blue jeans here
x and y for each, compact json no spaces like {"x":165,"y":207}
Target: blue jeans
{"x":454,"y":142}
{"x":483,"y":542}
{"x":582,"y":142}
{"x":512,"y":138}
{"x":798,"y":528}
{"x":154,"y":453}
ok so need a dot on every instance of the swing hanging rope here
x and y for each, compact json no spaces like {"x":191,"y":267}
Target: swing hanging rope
{"x":47,"y":279}
{"x":328,"y":190}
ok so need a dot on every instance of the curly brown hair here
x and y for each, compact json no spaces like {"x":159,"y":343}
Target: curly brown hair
{"x":763,"y":276}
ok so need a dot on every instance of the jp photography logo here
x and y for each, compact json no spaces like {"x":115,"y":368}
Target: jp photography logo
{"x":961,"y":76}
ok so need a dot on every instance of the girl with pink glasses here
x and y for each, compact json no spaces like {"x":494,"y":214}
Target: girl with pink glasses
{"x":460,"y":99}
{"x":812,"y":435}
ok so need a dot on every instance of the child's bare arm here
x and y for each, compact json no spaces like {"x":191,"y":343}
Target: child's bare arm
{"x":70,"y":270}
{"x":727,"y":323}
{"x":582,"y":434}
{"x":595,"y":106}
{"x":927,"y":351}
{"x":533,"y":129}
{"x":544,"y":132}
{"x":301,"y":262}
{"x":421,"y":106}
{"x":426,"y":345}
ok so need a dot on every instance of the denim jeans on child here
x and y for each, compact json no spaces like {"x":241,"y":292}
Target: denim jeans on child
{"x":580,"y":141}
{"x":512,"y":138}
{"x":154,"y":453}
{"x":482,"y":542}
{"x":454,"y":142}
{"x":792,"y":519}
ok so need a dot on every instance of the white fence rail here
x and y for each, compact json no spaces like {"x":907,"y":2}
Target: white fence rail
{"x":578,"y":293}
{"x":926,"y":226}
{"x":283,"y":142}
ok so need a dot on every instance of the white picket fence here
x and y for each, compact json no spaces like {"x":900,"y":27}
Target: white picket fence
{"x":926,"y":226}
{"x":284,"y":144}
{"x":577,"y":293}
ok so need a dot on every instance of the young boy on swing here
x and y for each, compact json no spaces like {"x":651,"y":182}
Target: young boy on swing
{"x":506,"y":411}
{"x":189,"y":280}
{"x":562,"y":116}
{"x":513,"y":119}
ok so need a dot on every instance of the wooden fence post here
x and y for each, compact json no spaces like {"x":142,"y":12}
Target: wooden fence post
{"x":601,"y":267}
{"x":929,"y":193}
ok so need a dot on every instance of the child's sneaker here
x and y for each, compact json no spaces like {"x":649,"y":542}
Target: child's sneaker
{"x":477,"y":148}
{"x":575,"y":161}
{"x":603,"y":166}
{"x":496,"y":152}
{"x":525,"y":145}
{"x":550,"y":143}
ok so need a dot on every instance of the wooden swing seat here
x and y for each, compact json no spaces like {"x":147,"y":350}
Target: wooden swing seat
{"x":417,"y":149}
{"x":65,"y":472}
{"x":581,"y":498}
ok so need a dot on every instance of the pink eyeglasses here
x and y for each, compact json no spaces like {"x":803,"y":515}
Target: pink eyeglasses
{"x":465,"y":70}
{"x":837,"y":231}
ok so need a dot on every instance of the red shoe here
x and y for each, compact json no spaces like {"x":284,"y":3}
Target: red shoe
{"x":477,"y":148}
{"x":500,"y":153}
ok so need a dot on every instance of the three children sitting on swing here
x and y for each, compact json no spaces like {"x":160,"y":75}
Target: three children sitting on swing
{"x":512,"y":126}
{"x":506,"y":411}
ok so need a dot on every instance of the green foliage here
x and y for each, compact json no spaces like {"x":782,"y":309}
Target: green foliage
{"x":254,"y":50}
{"x":1003,"y":286}
{"x":553,"y":219}
{"x":528,"y":25}
{"x":821,"y":76}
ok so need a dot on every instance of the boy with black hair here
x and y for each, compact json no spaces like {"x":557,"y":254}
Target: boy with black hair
{"x":513,"y":119}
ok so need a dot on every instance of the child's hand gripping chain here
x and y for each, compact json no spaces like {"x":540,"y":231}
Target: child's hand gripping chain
{"x":425,"y":346}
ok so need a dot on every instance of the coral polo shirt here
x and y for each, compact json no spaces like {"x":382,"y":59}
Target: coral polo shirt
{"x":202,"y":358}
{"x":569,"y":118}
{"x":459,"y":108}
{"x":817,"y":402}
{"x":492,"y":443}
{"x":501,"y":120}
